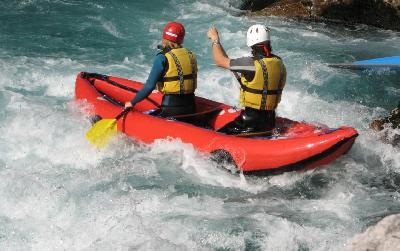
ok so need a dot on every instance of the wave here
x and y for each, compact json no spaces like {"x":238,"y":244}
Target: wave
{"x":58,"y":192}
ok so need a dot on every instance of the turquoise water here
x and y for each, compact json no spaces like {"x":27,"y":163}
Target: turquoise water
{"x":57,"y":192}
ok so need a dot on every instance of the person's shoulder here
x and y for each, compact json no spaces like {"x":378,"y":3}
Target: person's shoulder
{"x":276,"y":56}
{"x":242,"y":61}
{"x":189,"y":50}
{"x":249,"y":58}
{"x":160,"y":59}
{"x":160,"y":56}
{"x":279,"y":59}
{"x":242,"y":64}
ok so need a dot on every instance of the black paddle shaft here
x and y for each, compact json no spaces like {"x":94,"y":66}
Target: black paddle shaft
{"x":125,"y":111}
{"x":105,"y":78}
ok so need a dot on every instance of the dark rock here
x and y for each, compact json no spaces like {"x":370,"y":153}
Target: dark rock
{"x":288,"y":8}
{"x":388,"y":127}
{"x":379,"y":13}
{"x":393,"y":120}
{"x":255,"y":5}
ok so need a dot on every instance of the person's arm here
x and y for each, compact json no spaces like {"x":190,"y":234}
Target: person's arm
{"x":155,"y":75}
{"x":220,"y":57}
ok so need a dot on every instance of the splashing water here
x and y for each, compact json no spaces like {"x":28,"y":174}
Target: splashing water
{"x":58,"y":192}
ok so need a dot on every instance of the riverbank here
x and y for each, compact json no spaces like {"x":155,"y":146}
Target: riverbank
{"x":379,"y":13}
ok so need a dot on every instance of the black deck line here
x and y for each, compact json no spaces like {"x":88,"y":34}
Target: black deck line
{"x":105,"y":96}
{"x":116,"y":84}
{"x":130,"y":89}
{"x":105,"y":78}
{"x":301,"y":164}
{"x":110,"y":99}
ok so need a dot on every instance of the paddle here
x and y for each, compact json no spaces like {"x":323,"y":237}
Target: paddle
{"x":103,"y":130}
{"x":386,"y":62}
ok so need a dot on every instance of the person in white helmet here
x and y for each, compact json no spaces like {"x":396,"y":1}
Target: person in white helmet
{"x":262,"y":79}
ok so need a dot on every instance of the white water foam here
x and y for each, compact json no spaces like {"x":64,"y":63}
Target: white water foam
{"x":58,"y":192}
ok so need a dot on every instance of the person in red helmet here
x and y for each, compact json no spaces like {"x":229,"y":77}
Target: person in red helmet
{"x":174,"y":73}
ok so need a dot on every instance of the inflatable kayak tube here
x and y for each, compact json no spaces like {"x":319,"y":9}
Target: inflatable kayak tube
{"x":291,"y":146}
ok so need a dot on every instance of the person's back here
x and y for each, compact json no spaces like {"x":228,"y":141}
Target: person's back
{"x":262,"y":80}
{"x":174,"y":72}
{"x":179,"y":82}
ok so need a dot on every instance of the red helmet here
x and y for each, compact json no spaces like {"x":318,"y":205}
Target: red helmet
{"x":174,"y":32}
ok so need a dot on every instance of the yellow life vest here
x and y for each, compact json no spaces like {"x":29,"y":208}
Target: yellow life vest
{"x":265,"y":90}
{"x":181,"y":76}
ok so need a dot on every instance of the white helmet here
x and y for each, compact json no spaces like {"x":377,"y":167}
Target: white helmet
{"x":256,"y":34}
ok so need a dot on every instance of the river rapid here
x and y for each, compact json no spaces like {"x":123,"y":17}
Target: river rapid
{"x":57,"y":192}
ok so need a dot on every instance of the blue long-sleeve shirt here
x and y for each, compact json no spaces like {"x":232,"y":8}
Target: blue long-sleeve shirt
{"x":156,"y":73}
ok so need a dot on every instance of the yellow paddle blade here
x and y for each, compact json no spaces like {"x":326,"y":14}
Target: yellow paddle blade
{"x":101,"y":132}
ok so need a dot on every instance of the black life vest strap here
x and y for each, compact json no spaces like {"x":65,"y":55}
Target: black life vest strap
{"x":180,"y":73}
{"x":281,"y":77}
{"x":265,"y":87}
{"x":175,"y":78}
{"x":194,"y":69}
{"x":255,"y":91}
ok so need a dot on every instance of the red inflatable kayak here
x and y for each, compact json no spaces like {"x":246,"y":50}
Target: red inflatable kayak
{"x":291,"y":146}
